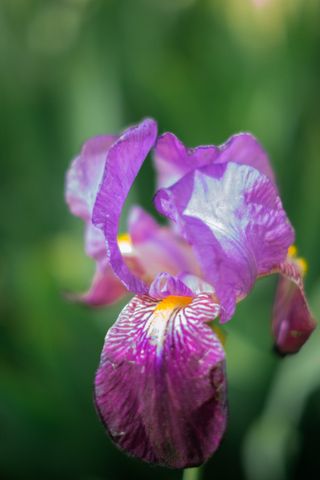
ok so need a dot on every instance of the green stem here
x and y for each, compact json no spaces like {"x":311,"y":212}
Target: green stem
{"x":192,"y":474}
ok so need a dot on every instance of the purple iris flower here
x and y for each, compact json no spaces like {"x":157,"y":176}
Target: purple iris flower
{"x":161,"y":389}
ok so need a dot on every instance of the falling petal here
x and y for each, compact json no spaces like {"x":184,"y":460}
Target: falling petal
{"x":161,"y":387}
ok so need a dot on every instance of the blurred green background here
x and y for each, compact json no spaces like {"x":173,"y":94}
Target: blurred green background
{"x":204,"y":69}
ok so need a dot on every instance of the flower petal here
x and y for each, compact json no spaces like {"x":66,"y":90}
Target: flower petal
{"x":141,"y":225}
{"x":83,"y":179}
{"x":161,"y":387}
{"x":173,"y":160}
{"x":105,"y":288}
{"x":159,"y":249}
{"x":234,"y":219}
{"x":124,"y":160}
{"x":95,"y":245}
{"x":85,"y":174}
{"x":245,"y":149}
{"x":164,"y":285}
{"x":147,"y":250}
{"x":166,"y":252}
{"x":196,"y":284}
{"x":292,"y":322}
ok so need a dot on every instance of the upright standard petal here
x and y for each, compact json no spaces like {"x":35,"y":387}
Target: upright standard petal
{"x":234,"y":219}
{"x":82,"y":183}
{"x":124,"y":160}
{"x":245,"y":149}
{"x":161,"y":387}
{"x":292,"y":322}
{"x":173,"y":160}
{"x":85,"y":174}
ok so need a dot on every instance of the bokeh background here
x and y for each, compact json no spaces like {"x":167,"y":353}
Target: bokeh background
{"x":204,"y":69}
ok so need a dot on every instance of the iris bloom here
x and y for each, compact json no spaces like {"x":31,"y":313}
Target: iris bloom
{"x":160,"y":389}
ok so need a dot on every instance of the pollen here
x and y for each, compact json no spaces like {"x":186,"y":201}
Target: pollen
{"x":303,"y":264}
{"x":300,"y":261}
{"x":172,"y":301}
{"x":292,"y":251}
{"x":125,"y":243}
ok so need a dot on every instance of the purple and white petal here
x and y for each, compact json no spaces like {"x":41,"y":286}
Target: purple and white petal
{"x":165,"y":285}
{"x":85,"y":174}
{"x":160,"y":388}
{"x":82,"y":183}
{"x":292,"y":322}
{"x":233,"y":217}
{"x":173,"y":160}
{"x":123,"y":163}
{"x":196,"y":284}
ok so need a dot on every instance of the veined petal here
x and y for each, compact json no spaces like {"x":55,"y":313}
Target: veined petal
{"x":173,"y":160}
{"x":161,"y":387}
{"x":85,"y":174}
{"x":234,"y":219}
{"x":124,"y":160}
{"x":292,"y":322}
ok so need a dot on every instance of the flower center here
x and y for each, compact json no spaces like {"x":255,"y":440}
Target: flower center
{"x":172,"y":301}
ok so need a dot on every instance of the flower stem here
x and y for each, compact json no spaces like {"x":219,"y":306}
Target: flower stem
{"x":192,"y":474}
